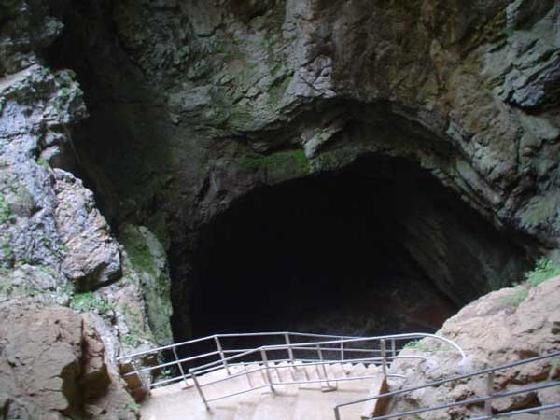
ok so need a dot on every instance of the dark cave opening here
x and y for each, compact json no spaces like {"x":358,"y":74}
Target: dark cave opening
{"x":378,"y":247}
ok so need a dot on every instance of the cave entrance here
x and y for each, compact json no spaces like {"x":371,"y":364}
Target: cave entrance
{"x":380,"y":246}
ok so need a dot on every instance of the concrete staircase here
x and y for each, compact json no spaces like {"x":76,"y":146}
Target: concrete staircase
{"x":310,"y":401}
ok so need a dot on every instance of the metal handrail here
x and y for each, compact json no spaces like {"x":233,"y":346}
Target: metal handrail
{"x":314,"y":346}
{"x":306,"y":346}
{"x":211,"y":338}
{"x":231,"y":335}
{"x":486,"y":399}
{"x":226,"y":358}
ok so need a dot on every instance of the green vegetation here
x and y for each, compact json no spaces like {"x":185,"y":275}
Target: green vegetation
{"x":427,"y":346}
{"x":138,"y":250}
{"x":544,"y":270}
{"x":6,"y":253}
{"x":518,"y":297}
{"x":88,"y":302}
{"x":43,"y":163}
{"x":5,"y":213}
{"x":416,"y":344}
{"x":132,"y":406}
{"x":130,"y":340}
{"x":284,"y":160}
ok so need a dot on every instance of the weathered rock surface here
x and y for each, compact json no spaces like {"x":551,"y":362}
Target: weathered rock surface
{"x":55,"y":246}
{"x":445,"y":83}
{"x":91,"y":256}
{"x":502,"y":327}
{"x":149,"y":273}
{"x":48,"y":217}
{"x":192,"y":107}
{"x":53,"y":365}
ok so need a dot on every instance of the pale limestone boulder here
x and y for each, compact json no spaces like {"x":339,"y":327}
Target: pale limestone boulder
{"x":91,"y":255}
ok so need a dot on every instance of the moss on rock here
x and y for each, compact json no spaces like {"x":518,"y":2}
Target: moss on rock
{"x":291,"y":162}
{"x":149,"y":263}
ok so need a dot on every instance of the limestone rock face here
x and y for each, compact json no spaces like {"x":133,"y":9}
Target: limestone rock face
{"x":148,"y":270}
{"x":54,"y":242}
{"x":35,"y":105}
{"x":53,"y":365}
{"x":209,"y":102}
{"x":48,"y":218}
{"x":91,"y":256}
{"x":502,"y":327}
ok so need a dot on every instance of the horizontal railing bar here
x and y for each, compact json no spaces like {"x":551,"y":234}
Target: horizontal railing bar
{"x":236,"y":350}
{"x":301,"y":346}
{"x":526,"y":410}
{"x":225,"y":360}
{"x":366,"y":339}
{"x":297,"y":347}
{"x":467,"y":402}
{"x":168,"y":381}
{"x":167,"y":347}
{"x":219,"y":363}
{"x":449,"y":380}
{"x":227,"y":378}
{"x":238,"y":393}
{"x":174,"y":362}
{"x":338,"y":339}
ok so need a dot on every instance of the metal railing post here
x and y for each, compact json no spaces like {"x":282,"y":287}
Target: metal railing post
{"x":342,"y":349}
{"x":322,"y":360}
{"x":199,"y":389}
{"x":222,"y":356}
{"x":489,"y":392}
{"x":290,"y":355}
{"x":247,"y":375}
{"x":384,"y":357}
{"x":180,"y":366}
{"x":268,"y":375}
{"x":337,"y":413}
{"x":393,"y":348}
{"x":290,"y":350}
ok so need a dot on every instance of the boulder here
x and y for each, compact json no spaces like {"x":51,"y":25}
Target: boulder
{"x":502,"y":327}
{"x":53,"y":366}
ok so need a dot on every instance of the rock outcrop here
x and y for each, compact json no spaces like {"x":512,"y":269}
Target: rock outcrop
{"x":91,"y":257}
{"x":504,"y":326}
{"x":53,"y":365}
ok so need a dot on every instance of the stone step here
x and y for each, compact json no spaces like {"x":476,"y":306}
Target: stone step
{"x":278,"y":406}
{"x":290,"y":402}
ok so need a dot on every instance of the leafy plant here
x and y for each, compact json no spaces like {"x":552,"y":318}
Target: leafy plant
{"x":5,"y":213}
{"x":88,"y":302}
{"x":544,"y":270}
{"x":417,"y":345}
{"x":43,"y":163}
{"x":130,"y":340}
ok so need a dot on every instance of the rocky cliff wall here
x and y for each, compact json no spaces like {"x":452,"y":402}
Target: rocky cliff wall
{"x":171,"y":110}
